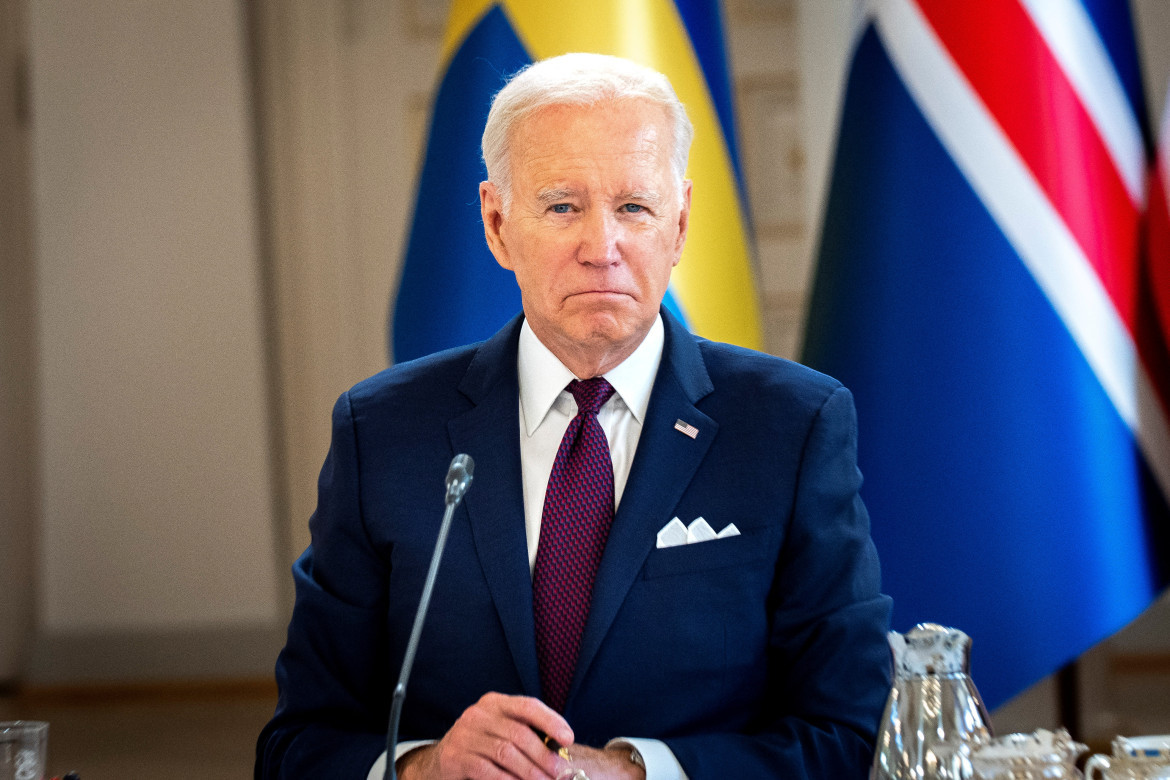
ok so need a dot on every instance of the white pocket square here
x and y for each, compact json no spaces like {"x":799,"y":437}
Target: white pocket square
{"x":675,"y":534}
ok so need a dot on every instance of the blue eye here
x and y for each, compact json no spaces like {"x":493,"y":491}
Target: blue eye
{"x":633,"y":208}
{"x":561,"y":208}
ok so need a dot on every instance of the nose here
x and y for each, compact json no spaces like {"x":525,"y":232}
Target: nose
{"x":600,"y":236}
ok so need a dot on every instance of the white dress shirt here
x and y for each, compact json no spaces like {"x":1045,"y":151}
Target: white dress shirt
{"x":546,"y":409}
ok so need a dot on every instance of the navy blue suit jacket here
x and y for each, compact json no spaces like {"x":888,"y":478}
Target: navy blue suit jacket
{"x":758,"y":656}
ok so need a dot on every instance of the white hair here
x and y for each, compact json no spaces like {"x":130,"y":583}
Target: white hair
{"x":578,"y":80}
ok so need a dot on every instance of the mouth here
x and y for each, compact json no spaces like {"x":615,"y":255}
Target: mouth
{"x":601,"y":293}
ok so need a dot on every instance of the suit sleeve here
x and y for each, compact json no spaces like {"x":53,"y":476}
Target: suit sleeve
{"x":333,"y":709}
{"x":829,"y":671}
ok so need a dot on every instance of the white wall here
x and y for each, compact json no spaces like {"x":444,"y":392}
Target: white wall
{"x":1152,"y":18}
{"x":157,"y":503}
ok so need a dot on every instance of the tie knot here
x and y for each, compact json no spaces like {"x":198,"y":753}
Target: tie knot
{"x":590,"y":394}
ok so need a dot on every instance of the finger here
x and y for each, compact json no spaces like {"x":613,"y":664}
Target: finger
{"x":550,"y":730}
{"x":493,"y":735}
{"x":499,"y":730}
{"x":520,"y":758}
{"x":499,"y":767}
{"x":599,"y":762}
{"x":535,"y":713}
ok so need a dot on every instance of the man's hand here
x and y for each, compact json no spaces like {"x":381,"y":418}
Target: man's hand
{"x":611,"y":764}
{"x":494,"y":739}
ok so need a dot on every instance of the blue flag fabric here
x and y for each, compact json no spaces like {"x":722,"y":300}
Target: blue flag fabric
{"x":1016,"y":489}
{"x":452,"y":292}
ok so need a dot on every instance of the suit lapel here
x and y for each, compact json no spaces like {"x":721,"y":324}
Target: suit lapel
{"x":663,"y":466}
{"x":495,"y":503}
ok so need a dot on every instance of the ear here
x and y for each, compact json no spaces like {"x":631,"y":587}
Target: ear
{"x":684,"y":220}
{"x":491,"y":209}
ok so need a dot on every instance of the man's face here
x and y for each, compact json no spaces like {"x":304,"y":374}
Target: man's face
{"x":595,"y":226}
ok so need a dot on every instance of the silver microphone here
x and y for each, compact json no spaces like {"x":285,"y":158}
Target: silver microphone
{"x":458,"y":480}
{"x":459,"y":477}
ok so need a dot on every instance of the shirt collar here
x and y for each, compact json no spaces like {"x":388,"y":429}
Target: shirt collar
{"x":543,"y":376}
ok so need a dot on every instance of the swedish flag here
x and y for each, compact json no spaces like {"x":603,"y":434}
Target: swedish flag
{"x":452,"y":291}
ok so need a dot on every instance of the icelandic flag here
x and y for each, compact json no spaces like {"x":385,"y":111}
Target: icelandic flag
{"x":1154,"y":278}
{"x":451,"y":291}
{"x":979,"y":288}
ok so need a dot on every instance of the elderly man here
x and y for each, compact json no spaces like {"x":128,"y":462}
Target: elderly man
{"x":571,"y":601}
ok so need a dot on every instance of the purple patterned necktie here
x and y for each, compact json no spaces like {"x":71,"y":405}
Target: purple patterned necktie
{"x":578,"y":511}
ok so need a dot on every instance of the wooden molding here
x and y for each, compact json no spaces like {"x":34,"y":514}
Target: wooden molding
{"x":153,"y":691}
{"x":1140,"y":664}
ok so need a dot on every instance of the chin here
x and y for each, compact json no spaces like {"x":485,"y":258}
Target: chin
{"x":609,"y":331}
{"x":615,"y":323}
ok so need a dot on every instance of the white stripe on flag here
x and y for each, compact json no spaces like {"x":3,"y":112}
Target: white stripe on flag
{"x":1029,"y":221}
{"x":1073,"y":40}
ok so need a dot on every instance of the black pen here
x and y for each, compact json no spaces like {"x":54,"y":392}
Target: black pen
{"x":553,"y":745}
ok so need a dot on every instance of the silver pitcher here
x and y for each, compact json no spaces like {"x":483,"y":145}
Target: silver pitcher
{"x":1041,"y":755}
{"x":933,"y":706}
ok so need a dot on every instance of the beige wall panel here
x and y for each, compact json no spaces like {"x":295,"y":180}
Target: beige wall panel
{"x":155,"y":486}
{"x":340,"y":115}
{"x":19,"y":503}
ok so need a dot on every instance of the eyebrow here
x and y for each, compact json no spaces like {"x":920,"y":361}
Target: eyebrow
{"x":549,"y":197}
{"x":648,"y":196}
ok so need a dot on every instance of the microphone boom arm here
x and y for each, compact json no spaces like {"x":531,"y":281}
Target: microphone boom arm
{"x":458,"y":479}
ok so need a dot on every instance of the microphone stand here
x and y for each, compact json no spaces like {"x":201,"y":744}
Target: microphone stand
{"x":458,"y":480}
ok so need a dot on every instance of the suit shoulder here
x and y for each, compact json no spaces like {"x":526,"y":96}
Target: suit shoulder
{"x":414,"y":382}
{"x":747,"y":373}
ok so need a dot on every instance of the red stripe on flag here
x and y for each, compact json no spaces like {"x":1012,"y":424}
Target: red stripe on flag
{"x":1010,"y":67}
{"x":1159,"y":251}
{"x":1154,"y":333}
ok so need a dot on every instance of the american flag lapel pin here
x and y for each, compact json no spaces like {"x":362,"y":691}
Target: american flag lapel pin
{"x":686,"y":428}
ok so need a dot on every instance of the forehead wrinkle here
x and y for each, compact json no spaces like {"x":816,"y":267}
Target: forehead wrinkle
{"x":572,"y":173}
